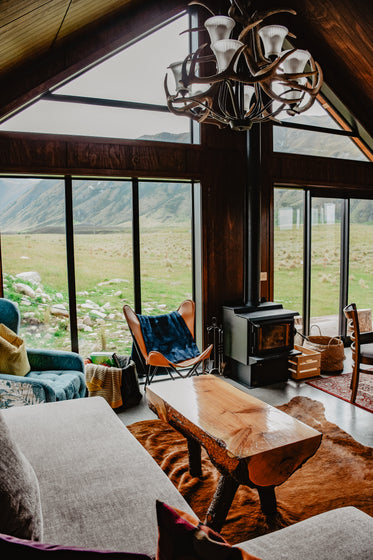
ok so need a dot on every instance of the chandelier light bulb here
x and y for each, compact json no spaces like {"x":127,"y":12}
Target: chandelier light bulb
{"x":273,"y":37}
{"x":219,"y":27}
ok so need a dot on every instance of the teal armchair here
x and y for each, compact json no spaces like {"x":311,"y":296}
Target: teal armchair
{"x":55,"y":375}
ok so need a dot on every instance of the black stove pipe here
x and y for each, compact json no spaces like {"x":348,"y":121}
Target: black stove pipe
{"x":253,"y":261}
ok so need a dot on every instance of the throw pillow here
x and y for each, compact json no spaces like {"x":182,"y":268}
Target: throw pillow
{"x":183,"y":537}
{"x":13,"y":355}
{"x":9,"y":546}
{"x":20,"y":505}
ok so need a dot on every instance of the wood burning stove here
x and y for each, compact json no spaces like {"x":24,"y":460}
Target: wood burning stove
{"x":257,"y":341}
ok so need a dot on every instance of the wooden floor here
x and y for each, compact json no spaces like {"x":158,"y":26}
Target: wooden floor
{"x":351,"y":418}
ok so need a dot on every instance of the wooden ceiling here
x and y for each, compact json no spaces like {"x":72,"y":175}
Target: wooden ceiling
{"x":45,"y":41}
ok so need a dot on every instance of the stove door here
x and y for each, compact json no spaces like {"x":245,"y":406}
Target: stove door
{"x":268,"y":337}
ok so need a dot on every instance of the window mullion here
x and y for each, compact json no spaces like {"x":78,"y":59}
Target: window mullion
{"x":71,"y":263}
{"x":136,"y":245}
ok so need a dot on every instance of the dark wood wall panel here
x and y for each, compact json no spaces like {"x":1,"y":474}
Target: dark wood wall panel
{"x":307,"y":170}
{"x":137,"y":159}
{"x":224,"y":185}
{"x":31,"y":153}
{"x":22,"y":154}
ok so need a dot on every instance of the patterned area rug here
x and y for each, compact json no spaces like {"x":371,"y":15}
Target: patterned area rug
{"x":339,"y":386}
{"x":340,"y":473}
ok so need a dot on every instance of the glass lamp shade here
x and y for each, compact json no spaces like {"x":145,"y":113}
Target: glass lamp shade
{"x":176,"y":68}
{"x":219,"y":27}
{"x":273,"y":37}
{"x":288,"y":93}
{"x":248,"y":92}
{"x":198,"y":89}
{"x":296,"y":62}
{"x":224,"y":51}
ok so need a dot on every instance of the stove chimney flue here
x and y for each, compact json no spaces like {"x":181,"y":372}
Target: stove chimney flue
{"x":253,"y":218}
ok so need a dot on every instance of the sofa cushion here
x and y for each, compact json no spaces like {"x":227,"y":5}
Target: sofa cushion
{"x":20,"y":506}
{"x":63,"y":385}
{"x":340,"y":534}
{"x":13,"y":355}
{"x":10,"y":546}
{"x":183,"y":537}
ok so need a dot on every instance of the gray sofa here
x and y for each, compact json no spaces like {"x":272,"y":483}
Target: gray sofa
{"x":98,"y":489}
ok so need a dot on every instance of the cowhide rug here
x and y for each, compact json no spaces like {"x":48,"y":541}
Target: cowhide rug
{"x":339,"y":474}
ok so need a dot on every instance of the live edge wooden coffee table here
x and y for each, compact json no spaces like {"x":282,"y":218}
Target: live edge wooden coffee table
{"x":248,"y":441}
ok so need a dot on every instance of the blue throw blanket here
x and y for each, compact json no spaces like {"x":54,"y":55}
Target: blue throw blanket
{"x":169,"y":335}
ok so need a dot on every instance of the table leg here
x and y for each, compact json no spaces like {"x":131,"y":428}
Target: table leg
{"x":267,"y":498}
{"x":221,"y":502}
{"x":194,"y":453}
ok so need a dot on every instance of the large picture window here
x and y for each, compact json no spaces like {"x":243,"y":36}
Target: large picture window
{"x":322,"y":258}
{"x":130,"y":242}
{"x":33,"y":251}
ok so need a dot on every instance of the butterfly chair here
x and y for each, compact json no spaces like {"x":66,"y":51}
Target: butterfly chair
{"x":165,"y":342}
{"x":361,"y":348}
{"x":48,"y":375}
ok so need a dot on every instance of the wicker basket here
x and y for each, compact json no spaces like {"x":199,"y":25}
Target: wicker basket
{"x":331,"y":350}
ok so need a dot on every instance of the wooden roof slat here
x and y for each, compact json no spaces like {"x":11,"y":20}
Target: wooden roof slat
{"x":80,"y":14}
{"x":12,"y":10}
{"x":30,"y":35}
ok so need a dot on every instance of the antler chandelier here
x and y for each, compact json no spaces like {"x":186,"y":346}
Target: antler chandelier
{"x":253,"y":79}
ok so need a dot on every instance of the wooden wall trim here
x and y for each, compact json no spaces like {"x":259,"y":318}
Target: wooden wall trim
{"x":38,"y":154}
{"x":298,"y":170}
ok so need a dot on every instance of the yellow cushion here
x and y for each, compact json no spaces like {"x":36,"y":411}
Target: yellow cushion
{"x":13,"y":355}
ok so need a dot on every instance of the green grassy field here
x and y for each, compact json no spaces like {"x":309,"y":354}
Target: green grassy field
{"x":325,"y":268}
{"x":104,"y":283}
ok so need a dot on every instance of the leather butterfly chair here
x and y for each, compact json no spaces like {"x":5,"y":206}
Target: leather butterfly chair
{"x":172,"y":332}
{"x":361,"y":347}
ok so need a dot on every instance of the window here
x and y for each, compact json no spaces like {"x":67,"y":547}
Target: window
{"x":122,"y":97}
{"x":166,"y":251}
{"x":130,"y":242}
{"x":33,"y":255}
{"x":361,"y":254}
{"x":316,"y":133}
{"x":288,"y":247}
{"x":322,"y":250}
{"x":313,"y":143}
{"x":102,"y":212}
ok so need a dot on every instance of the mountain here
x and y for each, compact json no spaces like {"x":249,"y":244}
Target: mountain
{"x":182,"y":138}
{"x":98,"y":205}
{"x":12,"y":188}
